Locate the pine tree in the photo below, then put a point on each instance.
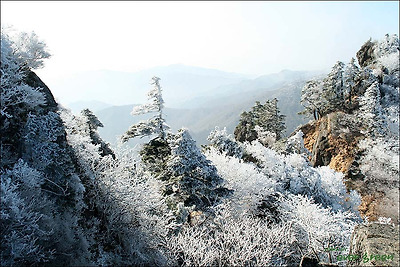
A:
(244, 131)
(311, 99)
(277, 120)
(371, 111)
(265, 116)
(351, 83)
(156, 124)
(92, 123)
(194, 180)
(333, 89)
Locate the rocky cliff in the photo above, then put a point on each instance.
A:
(334, 141)
(361, 140)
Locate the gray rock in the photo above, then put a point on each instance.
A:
(321, 153)
(365, 55)
(376, 244)
(33, 80)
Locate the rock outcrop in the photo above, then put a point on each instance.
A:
(33, 80)
(365, 55)
(333, 141)
(375, 244)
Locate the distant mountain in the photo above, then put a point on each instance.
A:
(180, 83)
(77, 107)
(201, 115)
(255, 86)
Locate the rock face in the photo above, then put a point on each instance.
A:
(321, 152)
(365, 55)
(376, 245)
(333, 141)
(33, 80)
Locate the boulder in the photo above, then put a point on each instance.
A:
(376, 244)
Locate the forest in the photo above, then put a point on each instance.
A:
(256, 197)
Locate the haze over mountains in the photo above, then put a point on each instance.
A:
(180, 83)
(196, 98)
(202, 120)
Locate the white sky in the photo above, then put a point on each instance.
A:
(244, 37)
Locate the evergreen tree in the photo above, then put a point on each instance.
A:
(92, 121)
(275, 120)
(244, 131)
(265, 116)
(91, 124)
(371, 111)
(351, 83)
(333, 89)
(156, 124)
(193, 179)
(311, 99)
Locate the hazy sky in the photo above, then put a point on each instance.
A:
(244, 37)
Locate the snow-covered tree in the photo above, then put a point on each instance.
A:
(265, 137)
(311, 99)
(351, 83)
(23, 217)
(193, 179)
(387, 47)
(44, 194)
(318, 228)
(14, 90)
(232, 239)
(91, 124)
(275, 122)
(30, 51)
(371, 110)
(336, 92)
(92, 120)
(295, 144)
(156, 124)
(225, 143)
(244, 131)
(266, 117)
(333, 89)
(280, 190)
(127, 218)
